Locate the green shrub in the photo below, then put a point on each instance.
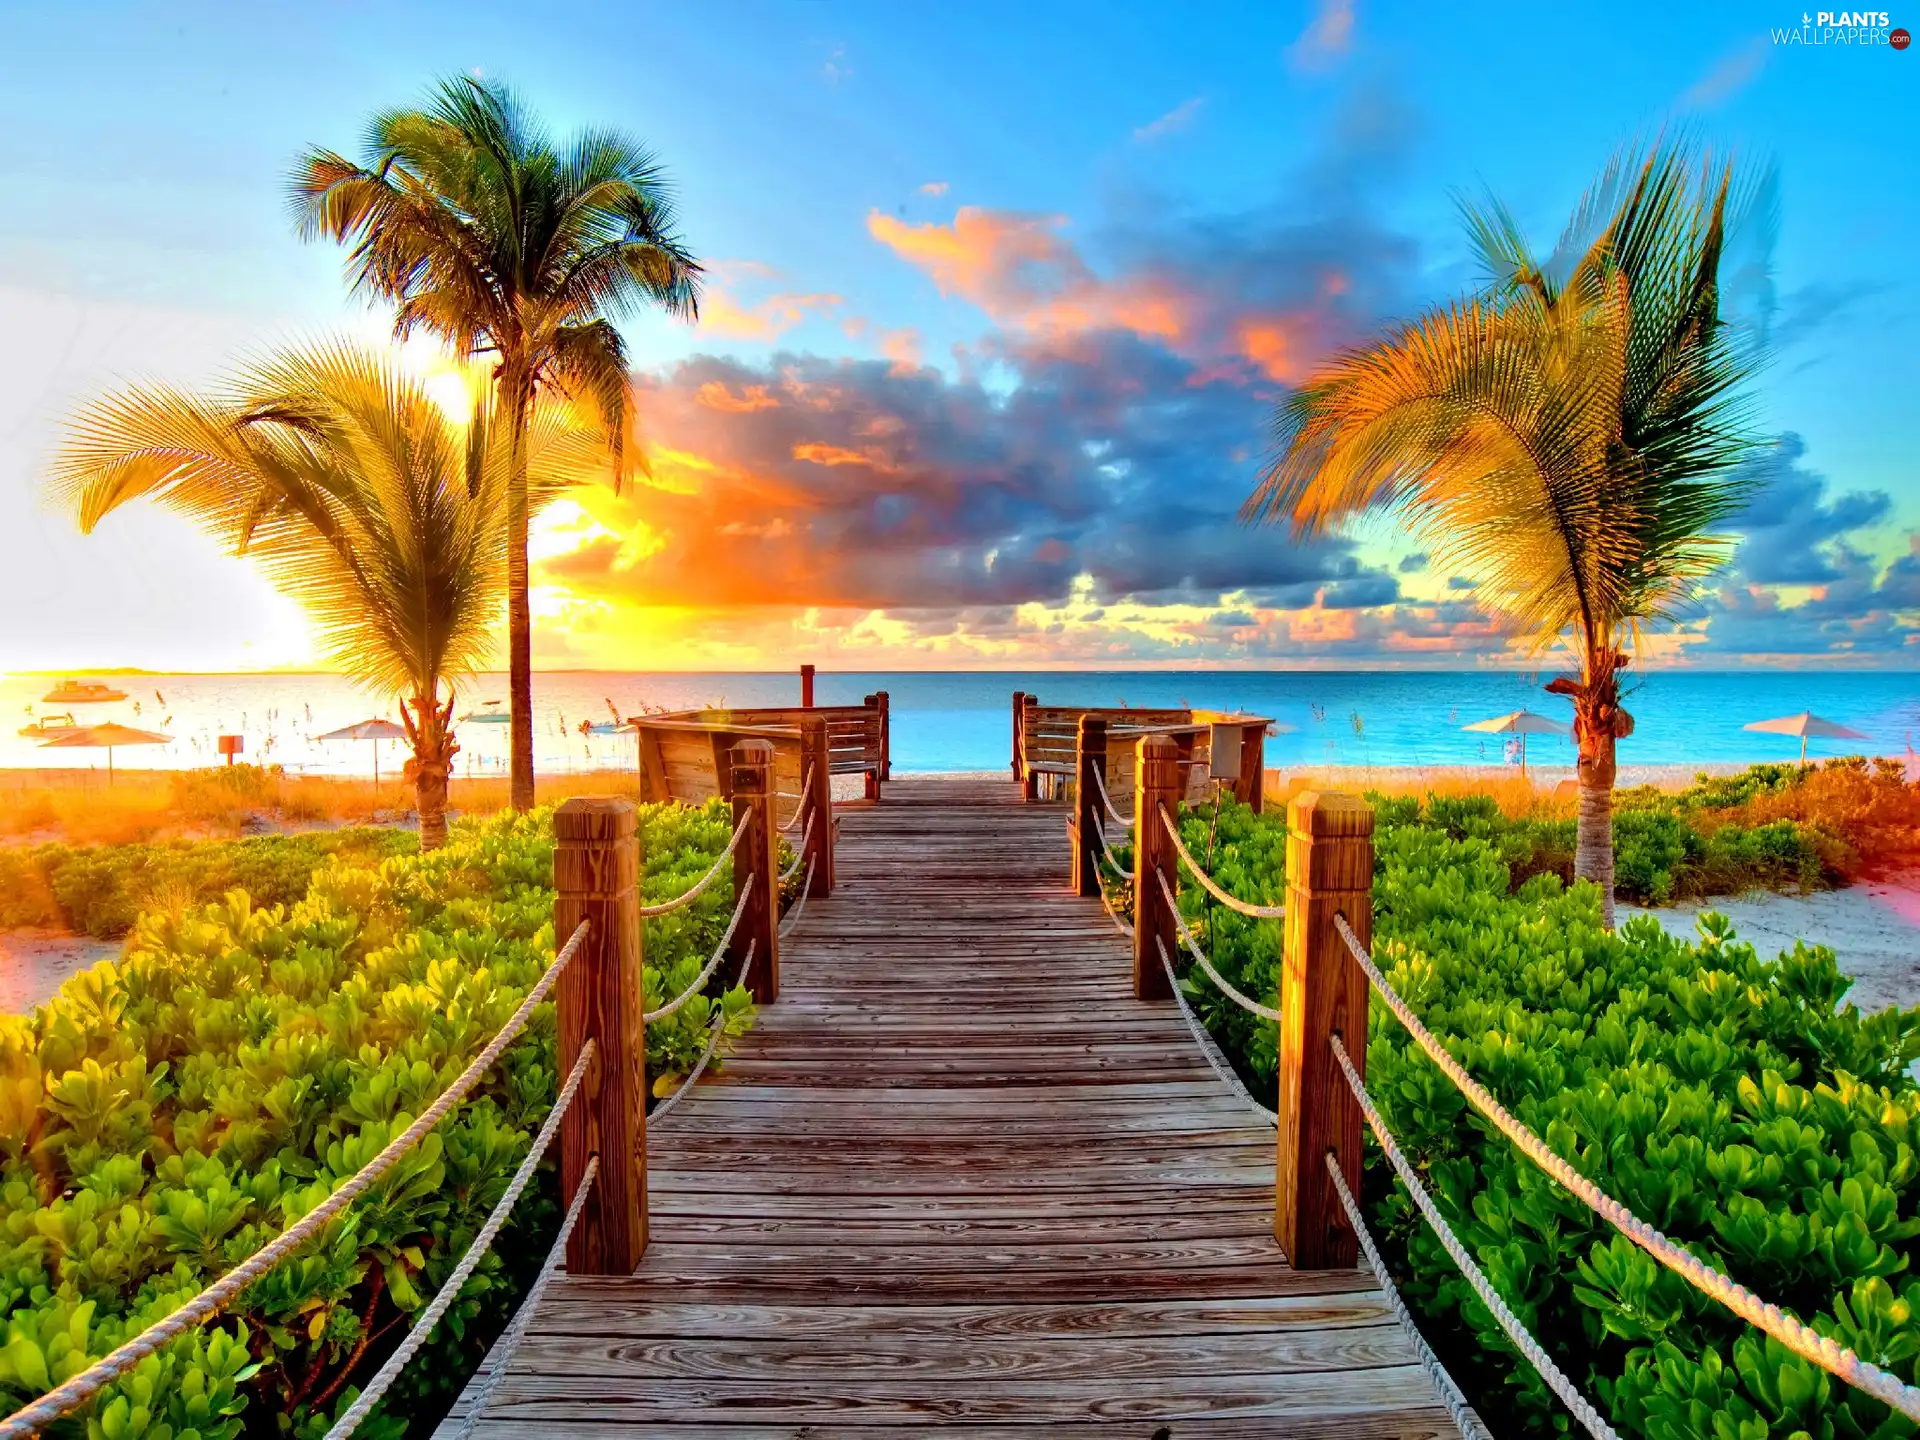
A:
(169, 1112)
(1730, 1100)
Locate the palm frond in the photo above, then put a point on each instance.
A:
(348, 486)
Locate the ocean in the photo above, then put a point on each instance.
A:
(959, 720)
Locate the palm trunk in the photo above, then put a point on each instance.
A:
(430, 730)
(517, 395)
(1598, 725)
(1593, 849)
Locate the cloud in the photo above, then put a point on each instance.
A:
(835, 67)
(934, 187)
(1327, 38)
(764, 320)
(1804, 312)
(1259, 296)
(1803, 581)
(1181, 117)
(1730, 74)
(1413, 564)
(1790, 523)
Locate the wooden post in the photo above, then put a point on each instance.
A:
(886, 735)
(1019, 710)
(757, 857)
(1089, 761)
(1157, 780)
(1250, 787)
(872, 756)
(600, 997)
(806, 687)
(1322, 993)
(1030, 779)
(819, 800)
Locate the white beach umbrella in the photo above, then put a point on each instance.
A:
(1805, 724)
(106, 737)
(1518, 722)
(374, 730)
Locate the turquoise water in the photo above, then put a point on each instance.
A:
(960, 720)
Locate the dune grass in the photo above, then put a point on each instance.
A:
(80, 808)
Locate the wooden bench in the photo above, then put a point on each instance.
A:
(858, 736)
(1046, 737)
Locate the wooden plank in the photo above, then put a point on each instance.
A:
(958, 1180)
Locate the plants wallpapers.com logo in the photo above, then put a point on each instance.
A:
(1863, 28)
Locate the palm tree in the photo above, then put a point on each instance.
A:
(484, 232)
(358, 496)
(1567, 438)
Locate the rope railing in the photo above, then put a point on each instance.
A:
(1113, 860)
(509, 1341)
(717, 1029)
(1465, 1419)
(1211, 1051)
(713, 964)
(800, 854)
(1529, 1348)
(81, 1388)
(1207, 882)
(1788, 1329)
(1252, 1006)
(805, 807)
(799, 906)
(1100, 784)
(422, 1328)
(693, 892)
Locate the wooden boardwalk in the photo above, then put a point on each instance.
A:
(959, 1180)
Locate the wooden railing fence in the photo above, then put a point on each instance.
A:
(600, 999)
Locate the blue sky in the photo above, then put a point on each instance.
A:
(1026, 238)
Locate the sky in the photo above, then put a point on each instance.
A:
(1000, 301)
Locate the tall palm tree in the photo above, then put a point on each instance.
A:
(358, 496)
(483, 231)
(1567, 438)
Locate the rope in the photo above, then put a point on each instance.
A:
(800, 854)
(687, 897)
(1100, 834)
(509, 1341)
(1594, 1422)
(1259, 912)
(806, 794)
(1100, 784)
(423, 1327)
(700, 981)
(800, 905)
(713, 1040)
(1205, 1041)
(29, 1419)
(1465, 1419)
(1798, 1337)
(1200, 958)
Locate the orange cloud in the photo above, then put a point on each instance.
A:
(715, 396)
(934, 187)
(763, 321)
(818, 454)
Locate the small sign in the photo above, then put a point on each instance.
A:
(232, 745)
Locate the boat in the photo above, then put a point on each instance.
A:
(50, 727)
(82, 692)
(489, 714)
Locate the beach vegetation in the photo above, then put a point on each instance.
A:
(1567, 438)
(358, 496)
(1735, 1101)
(486, 232)
(169, 1112)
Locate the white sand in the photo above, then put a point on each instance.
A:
(35, 963)
(1873, 929)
